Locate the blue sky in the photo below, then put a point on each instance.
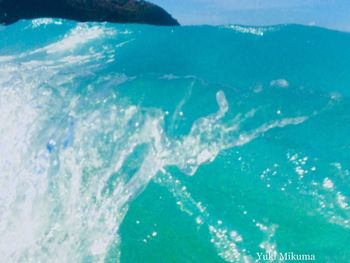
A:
(326, 13)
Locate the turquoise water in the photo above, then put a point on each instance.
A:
(130, 143)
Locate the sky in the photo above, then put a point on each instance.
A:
(333, 14)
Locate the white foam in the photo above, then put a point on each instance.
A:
(342, 201)
(282, 83)
(45, 21)
(257, 31)
(328, 184)
(78, 36)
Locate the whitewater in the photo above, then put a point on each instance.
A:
(134, 143)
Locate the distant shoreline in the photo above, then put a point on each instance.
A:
(130, 11)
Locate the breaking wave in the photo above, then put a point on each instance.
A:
(90, 115)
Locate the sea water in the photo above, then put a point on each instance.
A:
(131, 143)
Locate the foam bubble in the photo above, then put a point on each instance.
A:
(328, 184)
(282, 83)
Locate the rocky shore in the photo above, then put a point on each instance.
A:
(117, 11)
